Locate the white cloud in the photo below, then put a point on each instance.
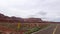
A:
(46, 9)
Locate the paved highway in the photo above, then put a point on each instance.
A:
(54, 29)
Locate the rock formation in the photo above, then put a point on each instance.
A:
(4, 18)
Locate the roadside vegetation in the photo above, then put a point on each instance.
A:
(28, 28)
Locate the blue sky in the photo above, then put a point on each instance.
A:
(45, 9)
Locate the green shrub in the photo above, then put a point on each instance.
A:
(32, 30)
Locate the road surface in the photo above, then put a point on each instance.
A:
(54, 29)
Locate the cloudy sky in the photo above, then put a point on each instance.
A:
(45, 9)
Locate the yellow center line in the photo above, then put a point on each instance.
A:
(55, 29)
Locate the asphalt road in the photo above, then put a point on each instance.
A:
(58, 30)
(54, 29)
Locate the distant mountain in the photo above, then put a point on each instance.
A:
(12, 19)
(33, 20)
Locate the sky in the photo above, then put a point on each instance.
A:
(48, 10)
